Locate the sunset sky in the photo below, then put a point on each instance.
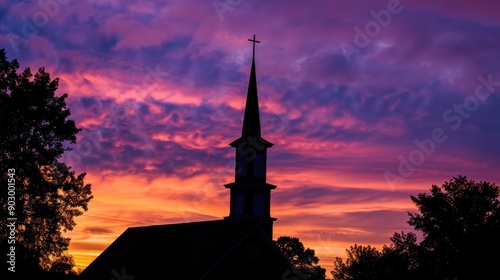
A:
(367, 103)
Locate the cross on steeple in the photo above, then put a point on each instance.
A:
(254, 41)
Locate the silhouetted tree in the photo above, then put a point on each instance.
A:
(460, 223)
(301, 258)
(34, 131)
(401, 259)
(454, 219)
(396, 261)
(362, 263)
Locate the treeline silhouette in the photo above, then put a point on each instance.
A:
(460, 225)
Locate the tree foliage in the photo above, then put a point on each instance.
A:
(363, 262)
(453, 219)
(460, 225)
(301, 258)
(34, 132)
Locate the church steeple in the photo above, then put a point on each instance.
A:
(250, 193)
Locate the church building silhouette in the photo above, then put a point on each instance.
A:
(239, 246)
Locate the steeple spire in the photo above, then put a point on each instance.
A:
(251, 121)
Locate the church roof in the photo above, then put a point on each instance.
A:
(197, 250)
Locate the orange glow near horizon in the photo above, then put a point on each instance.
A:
(122, 201)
